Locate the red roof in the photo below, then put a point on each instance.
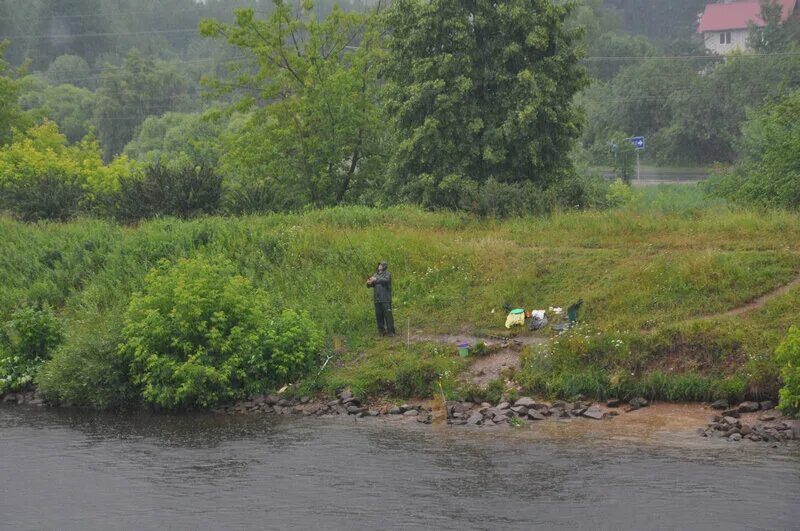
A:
(736, 15)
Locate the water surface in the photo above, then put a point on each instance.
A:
(76, 470)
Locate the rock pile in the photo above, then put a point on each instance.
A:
(345, 404)
(768, 427)
(524, 409)
(458, 412)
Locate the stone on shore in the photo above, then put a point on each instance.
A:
(593, 412)
(613, 402)
(748, 407)
(720, 404)
(639, 402)
(525, 401)
(475, 419)
(535, 415)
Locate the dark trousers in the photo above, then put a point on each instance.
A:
(383, 314)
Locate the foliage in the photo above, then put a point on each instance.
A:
(480, 90)
(619, 193)
(774, 35)
(69, 70)
(678, 105)
(43, 149)
(88, 370)
(67, 105)
(769, 173)
(663, 20)
(182, 190)
(178, 137)
(788, 354)
(314, 130)
(199, 334)
(11, 115)
(42, 177)
(27, 339)
(127, 95)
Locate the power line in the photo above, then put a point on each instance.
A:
(100, 34)
(126, 13)
(691, 57)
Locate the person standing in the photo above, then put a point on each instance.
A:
(381, 284)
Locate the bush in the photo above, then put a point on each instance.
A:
(26, 341)
(183, 192)
(581, 192)
(42, 177)
(619, 194)
(200, 334)
(788, 354)
(88, 370)
(44, 196)
(769, 174)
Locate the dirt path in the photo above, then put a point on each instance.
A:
(504, 352)
(754, 304)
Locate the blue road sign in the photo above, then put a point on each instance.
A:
(637, 141)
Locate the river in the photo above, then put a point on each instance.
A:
(76, 470)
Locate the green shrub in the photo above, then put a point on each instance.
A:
(200, 334)
(769, 173)
(43, 196)
(732, 388)
(788, 354)
(619, 194)
(89, 370)
(162, 190)
(26, 341)
(494, 391)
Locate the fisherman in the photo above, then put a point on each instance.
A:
(381, 283)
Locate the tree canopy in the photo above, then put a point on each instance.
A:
(480, 90)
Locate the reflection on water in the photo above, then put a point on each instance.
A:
(75, 470)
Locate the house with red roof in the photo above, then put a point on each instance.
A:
(725, 26)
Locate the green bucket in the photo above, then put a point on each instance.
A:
(463, 349)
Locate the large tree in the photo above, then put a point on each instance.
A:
(481, 89)
(310, 91)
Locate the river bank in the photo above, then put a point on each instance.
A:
(749, 421)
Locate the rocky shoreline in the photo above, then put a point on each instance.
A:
(748, 421)
(752, 421)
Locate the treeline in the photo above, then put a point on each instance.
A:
(354, 107)
(280, 107)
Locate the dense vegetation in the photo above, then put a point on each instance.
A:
(658, 276)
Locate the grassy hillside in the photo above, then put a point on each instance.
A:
(657, 278)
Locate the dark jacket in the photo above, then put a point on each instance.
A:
(382, 287)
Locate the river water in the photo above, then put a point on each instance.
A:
(76, 470)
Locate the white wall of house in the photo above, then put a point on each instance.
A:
(738, 40)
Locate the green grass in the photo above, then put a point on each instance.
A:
(651, 272)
